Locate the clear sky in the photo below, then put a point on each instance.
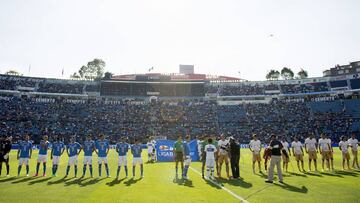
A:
(222, 37)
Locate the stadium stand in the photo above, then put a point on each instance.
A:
(65, 109)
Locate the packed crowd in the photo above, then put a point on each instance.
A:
(63, 117)
(223, 89)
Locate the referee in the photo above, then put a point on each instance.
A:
(5, 147)
(276, 148)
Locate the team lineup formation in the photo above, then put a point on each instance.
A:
(214, 152)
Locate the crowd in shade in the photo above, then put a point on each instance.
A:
(37, 117)
(61, 88)
(257, 89)
(8, 82)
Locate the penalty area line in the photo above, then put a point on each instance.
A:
(222, 187)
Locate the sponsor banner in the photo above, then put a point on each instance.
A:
(164, 150)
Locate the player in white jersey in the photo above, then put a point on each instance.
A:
(223, 145)
(154, 149)
(325, 151)
(354, 145)
(343, 146)
(199, 145)
(150, 148)
(331, 153)
(255, 148)
(298, 153)
(311, 150)
(285, 154)
(210, 150)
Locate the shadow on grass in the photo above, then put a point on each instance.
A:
(131, 181)
(90, 182)
(41, 180)
(212, 183)
(236, 182)
(313, 174)
(8, 179)
(183, 182)
(298, 174)
(62, 180)
(24, 180)
(116, 181)
(292, 188)
(347, 173)
(261, 174)
(332, 174)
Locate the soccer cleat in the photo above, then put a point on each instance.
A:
(44, 175)
(282, 182)
(7, 175)
(108, 176)
(268, 181)
(27, 175)
(36, 175)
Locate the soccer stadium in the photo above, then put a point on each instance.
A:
(109, 135)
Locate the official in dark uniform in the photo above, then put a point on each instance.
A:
(234, 150)
(5, 147)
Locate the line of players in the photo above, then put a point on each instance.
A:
(312, 147)
(101, 147)
(214, 153)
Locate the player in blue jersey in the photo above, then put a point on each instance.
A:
(122, 148)
(73, 149)
(136, 152)
(24, 154)
(89, 148)
(103, 148)
(187, 157)
(57, 150)
(42, 158)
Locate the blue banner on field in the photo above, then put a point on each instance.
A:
(194, 150)
(164, 150)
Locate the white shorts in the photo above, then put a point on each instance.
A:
(102, 159)
(88, 160)
(150, 151)
(187, 160)
(210, 163)
(122, 161)
(73, 160)
(137, 160)
(23, 161)
(42, 158)
(56, 160)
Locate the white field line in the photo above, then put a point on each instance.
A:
(222, 187)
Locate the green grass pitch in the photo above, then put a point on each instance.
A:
(158, 185)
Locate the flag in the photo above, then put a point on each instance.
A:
(150, 69)
(62, 72)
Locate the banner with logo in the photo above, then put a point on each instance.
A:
(164, 150)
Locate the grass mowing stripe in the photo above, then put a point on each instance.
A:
(222, 187)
